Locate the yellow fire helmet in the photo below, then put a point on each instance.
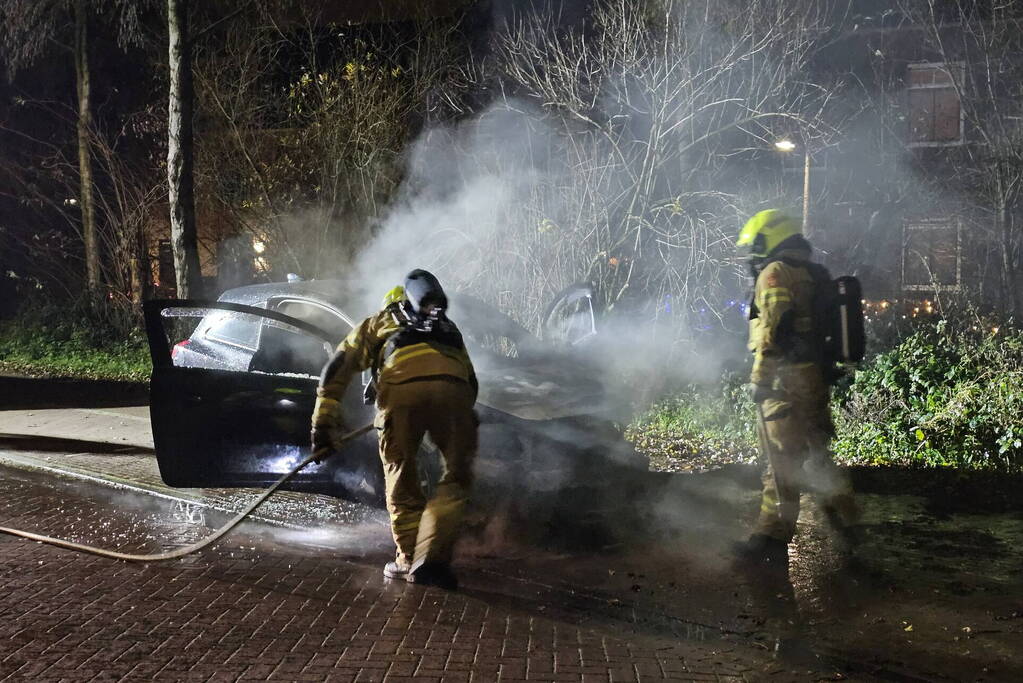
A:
(394, 294)
(766, 230)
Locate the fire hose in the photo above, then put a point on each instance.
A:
(181, 552)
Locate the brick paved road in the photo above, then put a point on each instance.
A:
(256, 608)
(935, 592)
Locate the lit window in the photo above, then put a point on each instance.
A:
(935, 117)
(931, 255)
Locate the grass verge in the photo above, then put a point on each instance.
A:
(700, 428)
(34, 351)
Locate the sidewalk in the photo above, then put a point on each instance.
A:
(114, 447)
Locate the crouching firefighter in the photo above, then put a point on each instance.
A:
(790, 385)
(425, 384)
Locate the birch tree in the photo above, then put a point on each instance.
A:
(180, 182)
(32, 28)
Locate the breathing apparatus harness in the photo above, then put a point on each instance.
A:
(414, 328)
(432, 328)
(797, 347)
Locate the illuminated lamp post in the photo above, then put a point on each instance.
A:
(785, 146)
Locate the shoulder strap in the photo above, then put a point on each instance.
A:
(818, 272)
(443, 332)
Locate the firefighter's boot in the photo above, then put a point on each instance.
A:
(397, 570)
(761, 549)
(437, 574)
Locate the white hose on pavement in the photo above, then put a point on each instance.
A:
(180, 552)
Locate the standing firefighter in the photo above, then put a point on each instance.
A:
(425, 384)
(789, 385)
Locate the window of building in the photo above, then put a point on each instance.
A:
(935, 117)
(931, 255)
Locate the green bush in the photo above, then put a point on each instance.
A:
(77, 340)
(948, 395)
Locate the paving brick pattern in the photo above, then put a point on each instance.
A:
(134, 465)
(252, 609)
(286, 508)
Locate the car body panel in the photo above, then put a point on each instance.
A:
(537, 387)
(242, 418)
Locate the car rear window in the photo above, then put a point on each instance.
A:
(230, 328)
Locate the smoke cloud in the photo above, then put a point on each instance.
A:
(631, 164)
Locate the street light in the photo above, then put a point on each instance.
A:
(785, 145)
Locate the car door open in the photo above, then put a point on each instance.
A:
(571, 317)
(226, 413)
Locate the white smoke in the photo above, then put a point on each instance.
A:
(451, 214)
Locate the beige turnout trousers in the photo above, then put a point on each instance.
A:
(797, 427)
(426, 531)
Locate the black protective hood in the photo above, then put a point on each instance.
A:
(422, 288)
(796, 244)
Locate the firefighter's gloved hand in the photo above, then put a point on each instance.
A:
(759, 393)
(322, 443)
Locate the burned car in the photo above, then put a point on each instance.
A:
(234, 381)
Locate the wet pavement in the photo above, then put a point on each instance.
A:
(933, 591)
(275, 604)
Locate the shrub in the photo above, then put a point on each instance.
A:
(945, 393)
(701, 426)
(75, 340)
(948, 395)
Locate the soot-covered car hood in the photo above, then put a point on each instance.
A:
(537, 387)
(533, 380)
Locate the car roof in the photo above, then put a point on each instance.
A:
(323, 291)
(477, 314)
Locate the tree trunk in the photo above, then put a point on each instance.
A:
(1008, 261)
(806, 192)
(139, 266)
(184, 240)
(92, 261)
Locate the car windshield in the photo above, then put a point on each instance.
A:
(489, 328)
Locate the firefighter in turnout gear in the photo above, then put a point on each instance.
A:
(790, 386)
(425, 384)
